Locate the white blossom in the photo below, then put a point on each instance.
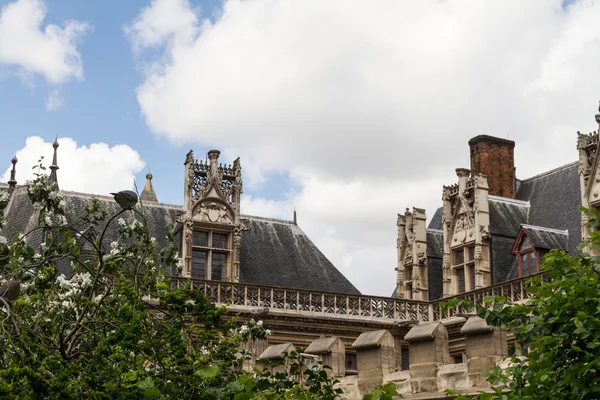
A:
(3, 240)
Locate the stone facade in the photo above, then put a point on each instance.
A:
(466, 227)
(412, 273)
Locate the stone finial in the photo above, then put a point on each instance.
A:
(148, 193)
(12, 181)
(54, 166)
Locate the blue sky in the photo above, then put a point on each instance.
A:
(103, 106)
(350, 114)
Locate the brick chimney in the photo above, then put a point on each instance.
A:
(494, 158)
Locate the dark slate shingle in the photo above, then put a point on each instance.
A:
(435, 254)
(279, 253)
(273, 252)
(555, 198)
(547, 238)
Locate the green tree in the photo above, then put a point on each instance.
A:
(558, 326)
(116, 329)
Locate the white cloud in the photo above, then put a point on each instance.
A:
(54, 100)
(369, 107)
(51, 51)
(161, 21)
(98, 168)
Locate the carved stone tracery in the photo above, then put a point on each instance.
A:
(212, 201)
(412, 281)
(589, 173)
(465, 222)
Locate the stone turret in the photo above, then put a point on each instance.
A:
(148, 193)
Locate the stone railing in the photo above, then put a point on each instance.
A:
(314, 303)
(309, 302)
(514, 290)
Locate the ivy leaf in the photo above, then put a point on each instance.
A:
(208, 371)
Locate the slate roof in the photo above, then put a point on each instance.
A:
(273, 252)
(555, 198)
(435, 255)
(507, 215)
(436, 220)
(279, 253)
(547, 238)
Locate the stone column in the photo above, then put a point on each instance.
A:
(428, 351)
(486, 347)
(375, 357)
(275, 353)
(331, 352)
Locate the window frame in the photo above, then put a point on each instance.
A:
(210, 250)
(467, 266)
(523, 254)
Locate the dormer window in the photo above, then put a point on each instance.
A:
(527, 257)
(210, 254)
(532, 243)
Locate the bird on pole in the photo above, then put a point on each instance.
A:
(127, 199)
(10, 289)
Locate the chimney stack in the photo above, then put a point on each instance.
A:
(494, 158)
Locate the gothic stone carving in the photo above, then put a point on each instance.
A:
(212, 199)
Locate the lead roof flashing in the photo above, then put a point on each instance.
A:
(524, 203)
(544, 229)
(552, 171)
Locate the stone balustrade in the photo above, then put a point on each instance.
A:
(312, 303)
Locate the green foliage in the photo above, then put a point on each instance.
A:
(559, 328)
(384, 392)
(116, 329)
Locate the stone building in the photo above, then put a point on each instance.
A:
(217, 242)
(492, 227)
(489, 234)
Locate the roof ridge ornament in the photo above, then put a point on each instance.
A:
(54, 167)
(12, 182)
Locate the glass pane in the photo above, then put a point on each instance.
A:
(525, 243)
(533, 263)
(199, 264)
(525, 264)
(460, 279)
(471, 276)
(351, 362)
(459, 257)
(219, 241)
(200, 238)
(471, 253)
(218, 266)
(405, 364)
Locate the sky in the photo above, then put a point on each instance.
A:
(348, 112)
